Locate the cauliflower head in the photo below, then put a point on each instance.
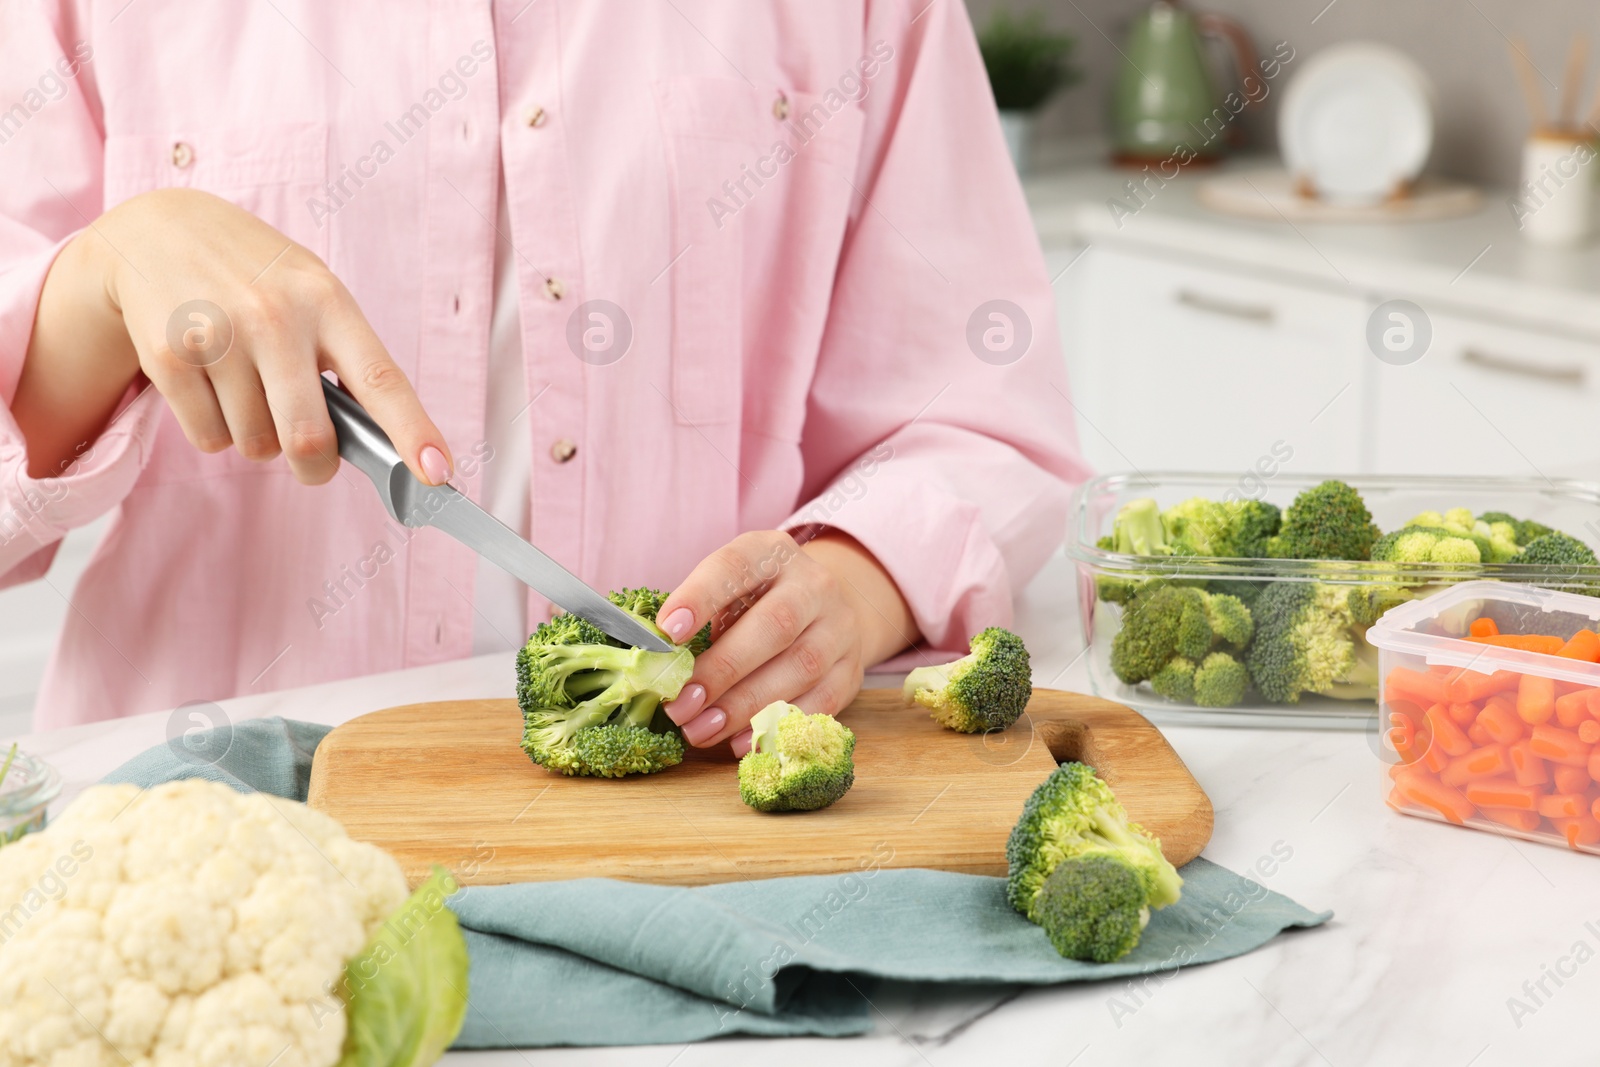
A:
(184, 925)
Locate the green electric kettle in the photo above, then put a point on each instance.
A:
(1165, 105)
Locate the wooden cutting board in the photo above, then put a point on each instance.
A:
(446, 783)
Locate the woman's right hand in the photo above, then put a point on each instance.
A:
(113, 305)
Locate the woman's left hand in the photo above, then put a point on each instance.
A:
(796, 623)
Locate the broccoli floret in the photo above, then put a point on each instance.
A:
(1228, 528)
(796, 762)
(1557, 549)
(1175, 680)
(1220, 681)
(1502, 538)
(1457, 522)
(1137, 529)
(1367, 603)
(984, 690)
(1174, 621)
(1093, 908)
(591, 705)
(1426, 544)
(1307, 641)
(1327, 521)
(1071, 816)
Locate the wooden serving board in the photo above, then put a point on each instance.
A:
(447, 783)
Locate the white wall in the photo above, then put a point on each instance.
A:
(30, 617)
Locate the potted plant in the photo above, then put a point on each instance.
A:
(1027, 64)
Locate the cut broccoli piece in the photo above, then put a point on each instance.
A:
(1522, 530)
(1557, 549)
(1071, 816)
(1175, 621)
(796, 762)
(1327, 521)
(1220, 681)
(1137, 529)
(1175, 680)
(1228, 528)
(1307, 641)
(984, 690)
(1428, 544)
(1093, 908)
(591, 705)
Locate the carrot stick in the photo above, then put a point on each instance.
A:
(1573, 708)
(1541, 643)
(1479, 735)
(1464, 714)
(1526, 821)
(1594, 764)
(1465, 685)
(1559, 746)
(1571, 779)
(1589, 731)
(1483, 626)
(1486, 762)
(1500, 720)
(1561, 805)
(1434, 757)
(1429, 793)
(1583, 830)
(1406, 684)
(1503, 793)
(1584, 645)
(1450, 737)
(1527, 768)
(1536, 699)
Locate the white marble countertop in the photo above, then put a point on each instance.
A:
(1435, 930)
(1466, 264)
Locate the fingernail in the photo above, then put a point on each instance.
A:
(679, 624)
(687, 705)
(740, 743)
(434, 466)
(706, 726)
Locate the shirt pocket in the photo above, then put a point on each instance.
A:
(736, 159)
(272, 171)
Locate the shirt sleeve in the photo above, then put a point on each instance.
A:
(51, 166)
(939, 432)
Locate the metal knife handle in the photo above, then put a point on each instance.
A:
(366, 447)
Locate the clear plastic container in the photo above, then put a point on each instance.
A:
(1494, 738)
(1568, 506)
(25, 794)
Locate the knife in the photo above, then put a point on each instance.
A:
(414, 503)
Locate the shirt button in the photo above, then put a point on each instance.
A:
(182, 155)
(555, 288)
(780, 107)
(534, 116)
(563, 450)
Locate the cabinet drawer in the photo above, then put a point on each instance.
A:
(1208, 369)
(1491, 399)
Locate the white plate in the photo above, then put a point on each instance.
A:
(1357, 122)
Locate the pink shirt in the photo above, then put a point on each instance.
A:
(801, 215)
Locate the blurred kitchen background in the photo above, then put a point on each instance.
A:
(1386, 301)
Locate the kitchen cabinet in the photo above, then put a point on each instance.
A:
(1490, 399)
(1196, 367)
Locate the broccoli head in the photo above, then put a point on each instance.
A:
(1522, 530)
(1327, 521)
(796, 762)
(1093, 908)
(1227, 528)
(1218, 681)
(984, 690)
(1175, 621)
(1137, 529)
(591, 705)
(1558, 549)
(1070, 817)
(1427, 544)
(1308, 641)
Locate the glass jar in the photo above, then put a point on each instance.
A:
(29, 787)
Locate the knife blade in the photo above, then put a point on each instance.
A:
(414, 503)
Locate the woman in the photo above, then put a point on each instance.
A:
(641, 277)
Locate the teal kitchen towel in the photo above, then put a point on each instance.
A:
(783, 956)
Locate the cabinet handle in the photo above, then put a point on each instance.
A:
(1212, 305)
(1510, 365)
